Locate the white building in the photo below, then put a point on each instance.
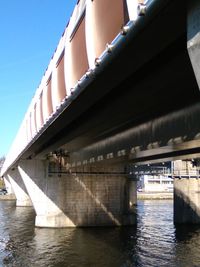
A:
(156, 183)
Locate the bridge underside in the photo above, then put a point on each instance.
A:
(143, 103)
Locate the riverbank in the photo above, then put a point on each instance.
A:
(7, 197)
(140, 195)
(154, 195)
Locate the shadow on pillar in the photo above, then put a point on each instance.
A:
(10, 192)
(83, 197)
(186, 233)
(187, 243)
(186, 207)
(18, 186)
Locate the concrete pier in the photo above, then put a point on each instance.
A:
(9, 188)
(79, 197)
(21, 194)
(186, 200)
(186, 191)
(45, 193)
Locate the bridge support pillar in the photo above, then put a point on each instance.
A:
(46, 193)
(107, 196)
(8, 185)
(22, 197)
(186, 200)
(80, 197)
(193, 36)
(132, 185)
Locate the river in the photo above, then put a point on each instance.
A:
(154, 241)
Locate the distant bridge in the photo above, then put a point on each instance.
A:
(121, 87)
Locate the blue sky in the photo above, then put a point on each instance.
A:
(29, 33)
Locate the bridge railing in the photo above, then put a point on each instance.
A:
(91, 28)
(186, 173)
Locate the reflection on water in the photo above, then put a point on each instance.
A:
(154, 241)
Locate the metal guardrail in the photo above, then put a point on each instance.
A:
(186, 173)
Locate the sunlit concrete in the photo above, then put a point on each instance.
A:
(23, 199)
(8, 186)
(48, 214)
(81, 198)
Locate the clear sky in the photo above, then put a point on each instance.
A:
(29, 33)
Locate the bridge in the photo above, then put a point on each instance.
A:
(122, 88)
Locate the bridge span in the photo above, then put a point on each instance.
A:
(122, 87)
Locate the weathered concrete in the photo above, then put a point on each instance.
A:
(186, 200)
(82, 198)
(23, 199)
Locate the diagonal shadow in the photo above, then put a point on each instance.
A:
(186, 209)
(78, 200)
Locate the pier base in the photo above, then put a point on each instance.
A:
(79, 197)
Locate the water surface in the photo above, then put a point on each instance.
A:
(154, 241)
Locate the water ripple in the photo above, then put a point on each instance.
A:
(153, 242)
